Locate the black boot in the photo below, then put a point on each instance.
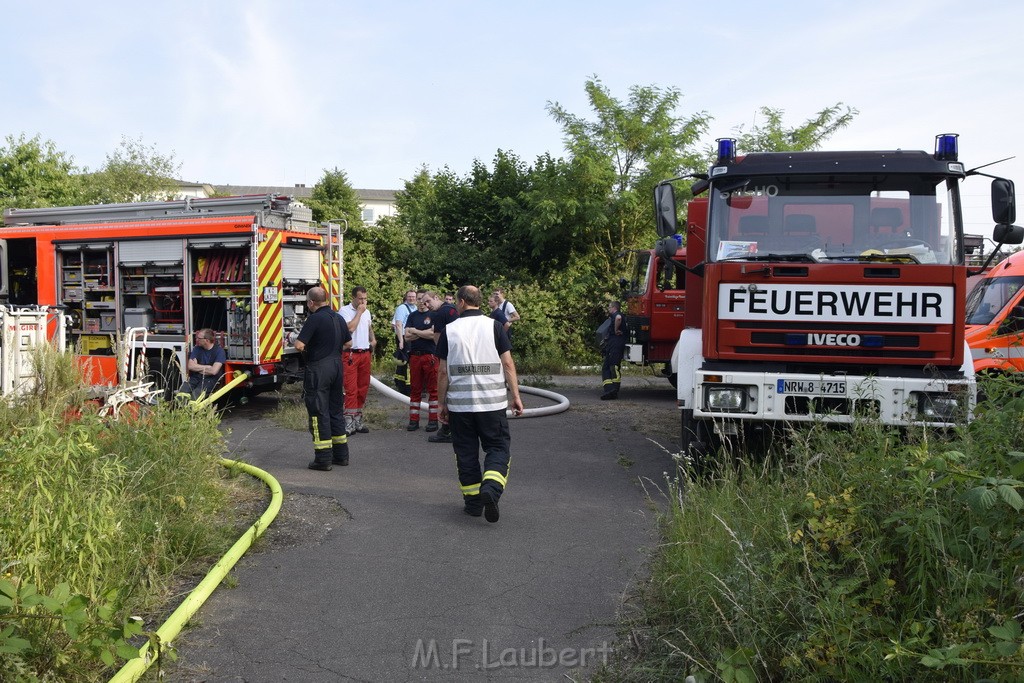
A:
(442, 436)
(321, 460)
(339, 454)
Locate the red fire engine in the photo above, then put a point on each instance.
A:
(140, 279)
(822, 286)
(654, 302)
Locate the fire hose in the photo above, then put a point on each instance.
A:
(135, 668)
(561, 402)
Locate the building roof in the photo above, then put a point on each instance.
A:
(301, 191)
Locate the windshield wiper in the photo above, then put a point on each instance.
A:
(792, 258)
(882, 258)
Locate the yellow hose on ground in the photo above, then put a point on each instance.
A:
(238, 378)
(134, 668)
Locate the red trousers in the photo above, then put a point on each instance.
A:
(423, 371)
(357, 380)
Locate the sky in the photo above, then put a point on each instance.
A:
(275, 93)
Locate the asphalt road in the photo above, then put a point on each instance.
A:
(373, 573)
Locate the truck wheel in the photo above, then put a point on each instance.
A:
(697, 443)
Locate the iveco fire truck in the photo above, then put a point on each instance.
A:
(139, 279)
(823, 286)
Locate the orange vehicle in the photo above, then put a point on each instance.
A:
(995, 318)
(139, 279)
(822, 286)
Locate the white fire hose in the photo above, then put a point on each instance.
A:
(561, 402)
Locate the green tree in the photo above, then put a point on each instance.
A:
(773, 136)
(627, 149)
(133, 172)
(373, 254)
(34, 173)
(333, 198)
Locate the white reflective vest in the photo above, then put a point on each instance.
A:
(476, 379)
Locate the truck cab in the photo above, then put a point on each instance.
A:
(830, 285)
(995, 318)
(654, 303)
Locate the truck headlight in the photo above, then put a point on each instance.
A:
(726, 398)
(938, 407)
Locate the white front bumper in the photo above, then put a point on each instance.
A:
(893, 400)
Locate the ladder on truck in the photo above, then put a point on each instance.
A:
(179, 208)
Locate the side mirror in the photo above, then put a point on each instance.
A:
(665, 209)
(623, 283)
(1008, 234)
(1004, 210)
(666, 248)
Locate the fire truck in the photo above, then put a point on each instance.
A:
(654, 302)
(995, 318)
(138, 280)
(823, 286)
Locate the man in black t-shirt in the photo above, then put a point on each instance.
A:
(322, 338)
(419, 342)
(442, 313)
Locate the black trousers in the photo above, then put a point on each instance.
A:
(472, 432)
(323, 390)
(611, 372)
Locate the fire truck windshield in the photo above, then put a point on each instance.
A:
(991, 296)
(900, 217)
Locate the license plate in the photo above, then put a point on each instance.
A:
(813, 387)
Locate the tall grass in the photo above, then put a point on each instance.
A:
(864, 554)
(110, 508)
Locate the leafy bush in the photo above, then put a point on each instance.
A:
(870, 554)
(96, 515)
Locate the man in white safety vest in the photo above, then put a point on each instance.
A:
(476, 364)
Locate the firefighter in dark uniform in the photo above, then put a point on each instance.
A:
(442, 314)
(614, 349)
(419, 341)
(322, 339)
(476, 365)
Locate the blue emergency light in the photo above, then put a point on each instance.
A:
(726, 150)
(945, 147)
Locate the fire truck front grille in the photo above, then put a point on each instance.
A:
(829, 405)
(839, 352)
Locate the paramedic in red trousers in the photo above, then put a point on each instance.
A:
(476, 364)
(322, 339)
(419, 341)
(442, 313)
(357, 360)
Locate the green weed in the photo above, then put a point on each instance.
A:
(96, 517)
(865, 554)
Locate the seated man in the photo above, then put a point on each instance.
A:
(205, 364)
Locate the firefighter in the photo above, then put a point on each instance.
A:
(419, 340)
(323, 337)
(442, 313)
(614, 347)
(398, 320)
(476, 364)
